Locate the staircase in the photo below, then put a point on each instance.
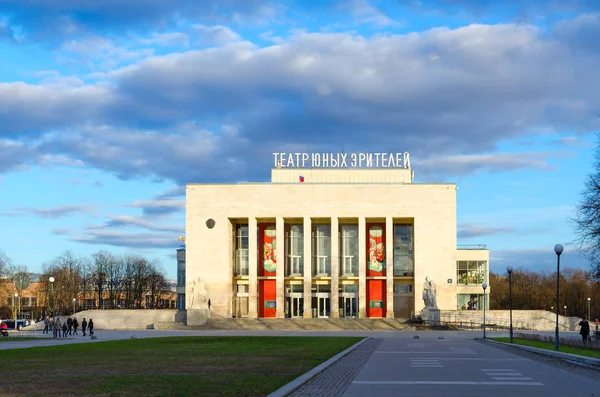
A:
(296, 324)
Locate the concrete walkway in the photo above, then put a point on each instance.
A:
(108, 335)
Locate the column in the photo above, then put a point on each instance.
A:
(307, 268)
(280, 257)
(389, 264)
(253, 267)
(362, 267)
(335, 268)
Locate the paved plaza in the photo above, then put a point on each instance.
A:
(408, 363)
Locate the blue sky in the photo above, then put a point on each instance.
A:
(109, 107)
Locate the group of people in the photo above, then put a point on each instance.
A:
(68, 327)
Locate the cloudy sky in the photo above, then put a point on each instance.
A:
(109, 107)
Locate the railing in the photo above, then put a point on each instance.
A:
(471, 247)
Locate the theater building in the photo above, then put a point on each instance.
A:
(330, 238)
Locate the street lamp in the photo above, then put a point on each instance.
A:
(565, 311)
(51, 279)
(484, 286)
(15, 308)
(74, 300)
(509, 269)
(589, 314)
(558, 249)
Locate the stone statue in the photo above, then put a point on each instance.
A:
(429, 294)
(197, 295)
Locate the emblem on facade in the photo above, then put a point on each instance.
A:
(210, 223)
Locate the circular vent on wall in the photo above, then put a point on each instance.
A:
(210, 223)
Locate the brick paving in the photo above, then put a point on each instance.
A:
(335, 379)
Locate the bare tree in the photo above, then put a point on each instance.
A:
(156, 285)
(587, 216)
(114, 271)
(5, 263)
(100, 263)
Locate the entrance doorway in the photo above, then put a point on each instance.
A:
(321, 305)
(348, 305)
(294, 305)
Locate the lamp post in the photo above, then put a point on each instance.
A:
(565, 311)
(74, 300)
(51, 279)
(558, 249)
(15, 308)
(589, 314)
(484, 286)
(509, 269)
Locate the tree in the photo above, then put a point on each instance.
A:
(5, 263)
(587, 217)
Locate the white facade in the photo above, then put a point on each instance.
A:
(344, 242)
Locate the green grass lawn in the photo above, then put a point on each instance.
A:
(550, 346)
(178, 366)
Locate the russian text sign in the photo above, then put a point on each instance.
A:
(342, 160)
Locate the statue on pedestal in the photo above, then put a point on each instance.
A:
(429, 294)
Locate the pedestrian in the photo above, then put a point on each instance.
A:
(585, 330)
(70, 324)
(65, 329)
(83, 326)
(597, 323)
(56, 327)
(91, 327)
(75, 325)
(46, 321)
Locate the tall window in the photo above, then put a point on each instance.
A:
(403, 250)
(295, 250)
(321, 250)
(241, 250)
(471, 272)
(349, 250)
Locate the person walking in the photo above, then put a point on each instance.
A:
(46, 321)
(56, 327)
(70, 324)
(585, 330)
(83, 326)
(75, 325)
(91, 327)
(65, 329)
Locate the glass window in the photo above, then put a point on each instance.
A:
(242, 262)
(471, 272)
(295, 250)
(403, 250)
(321, 250)
(403, 288)
(348, 250)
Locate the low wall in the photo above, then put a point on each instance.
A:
(120, 319)
(539, 320)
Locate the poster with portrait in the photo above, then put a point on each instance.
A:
(270, 249)
(376, 249)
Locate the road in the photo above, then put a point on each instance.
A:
(457, 366)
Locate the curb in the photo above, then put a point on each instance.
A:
(302, 379)
(588, 362)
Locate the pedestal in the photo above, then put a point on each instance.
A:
(197, 316)
(430, 315)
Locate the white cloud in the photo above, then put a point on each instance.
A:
(489, 84)
(214, 35)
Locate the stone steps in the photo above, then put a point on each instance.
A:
(295, 324)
